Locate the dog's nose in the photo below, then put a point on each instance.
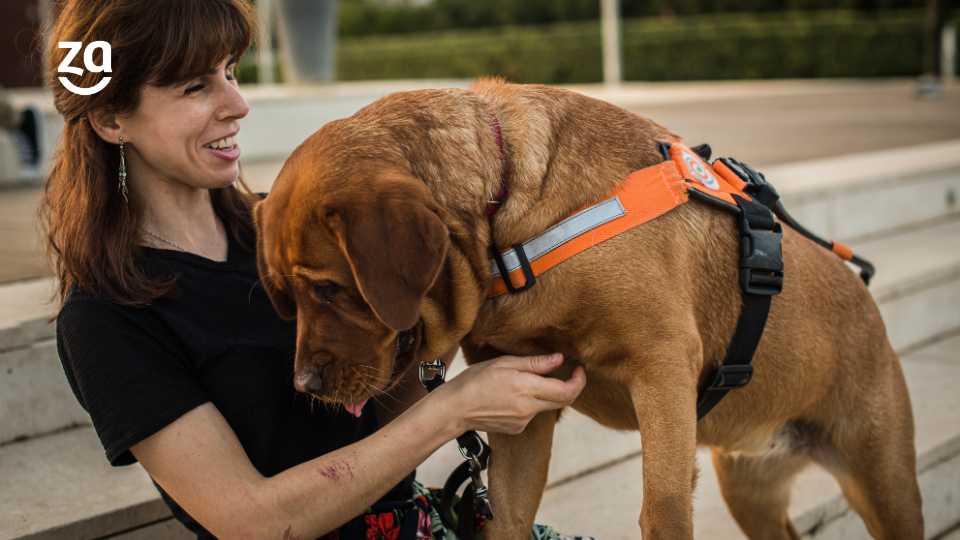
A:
(308, 382)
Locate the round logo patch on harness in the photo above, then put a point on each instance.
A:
(699, 171)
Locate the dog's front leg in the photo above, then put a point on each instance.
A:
(668, 428)
(518, 474)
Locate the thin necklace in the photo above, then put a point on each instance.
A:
(162, 239)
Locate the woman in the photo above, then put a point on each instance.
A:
(165, 334)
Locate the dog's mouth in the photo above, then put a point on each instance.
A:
(401, 361)
(405, 341)
(407, 345)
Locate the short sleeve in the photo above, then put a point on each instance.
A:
(124, 371)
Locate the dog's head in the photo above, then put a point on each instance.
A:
(353, 242)
(351, 254)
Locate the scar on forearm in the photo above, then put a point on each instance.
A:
(337, 471)
(288, 534)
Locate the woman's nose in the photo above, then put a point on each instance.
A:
(233, 105)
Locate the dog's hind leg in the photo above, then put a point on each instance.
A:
(757, 491)
(518, 474)
(873, 457)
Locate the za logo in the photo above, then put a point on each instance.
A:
(65, 66)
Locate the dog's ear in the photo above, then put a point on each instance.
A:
(285, 306)
(396, 248)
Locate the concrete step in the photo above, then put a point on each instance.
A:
(25, 311)
(871, 194)
(35, 397)
(606, 504)
(917, 285)
(61, 486)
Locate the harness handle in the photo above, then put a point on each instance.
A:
(764, 192)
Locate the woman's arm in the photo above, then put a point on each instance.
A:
(199, 462)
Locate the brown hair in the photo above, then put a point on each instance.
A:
(92, 232)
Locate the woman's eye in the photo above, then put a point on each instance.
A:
(328, 291)
(194, 88)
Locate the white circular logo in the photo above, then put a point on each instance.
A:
(700, 173)
(88, 62)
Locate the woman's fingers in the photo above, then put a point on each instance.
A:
(561, 392)
(504, 394)
(555, 391)
(540, 364)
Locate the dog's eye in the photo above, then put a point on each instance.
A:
(328, 291)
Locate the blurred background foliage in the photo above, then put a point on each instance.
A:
(365, 17)
(785, 44)
(558, 41)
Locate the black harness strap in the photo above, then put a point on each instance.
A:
(761, 277)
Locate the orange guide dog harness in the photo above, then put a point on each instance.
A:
(654, 191)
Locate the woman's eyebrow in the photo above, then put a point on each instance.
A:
(215, 69)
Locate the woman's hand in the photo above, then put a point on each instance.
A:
(504, 394)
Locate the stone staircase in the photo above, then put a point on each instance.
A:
(896, 208)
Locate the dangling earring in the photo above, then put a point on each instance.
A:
(122, 188)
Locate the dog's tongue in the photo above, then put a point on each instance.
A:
(355, 408)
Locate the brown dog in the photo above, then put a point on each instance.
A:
(375, 237)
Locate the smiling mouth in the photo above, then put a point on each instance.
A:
(227, 143)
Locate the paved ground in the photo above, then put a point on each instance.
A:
(761, 128)
(781, 129)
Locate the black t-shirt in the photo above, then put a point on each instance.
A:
(136, 370)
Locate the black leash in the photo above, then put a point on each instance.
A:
(476, 452)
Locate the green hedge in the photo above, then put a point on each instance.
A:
(707, 47)
(366, 17)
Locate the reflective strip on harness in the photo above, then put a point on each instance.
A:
(642, 196)
(561, 233)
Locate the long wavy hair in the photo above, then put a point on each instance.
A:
(92, 232)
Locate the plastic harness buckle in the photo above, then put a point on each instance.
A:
(761, 252)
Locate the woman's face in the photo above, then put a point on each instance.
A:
(186, 135)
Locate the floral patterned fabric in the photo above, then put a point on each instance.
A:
(419, 518)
